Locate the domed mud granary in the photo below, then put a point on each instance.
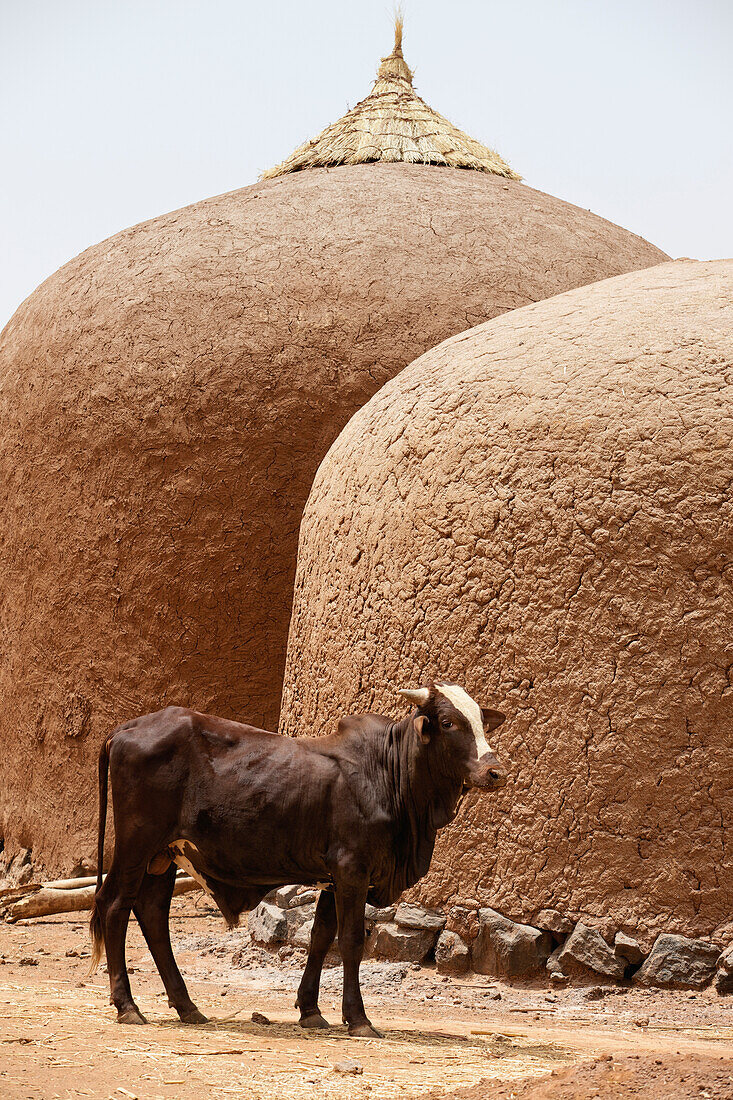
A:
(541, 510)
(165, 400)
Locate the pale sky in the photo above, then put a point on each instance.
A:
(114, 111)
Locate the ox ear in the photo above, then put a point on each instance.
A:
(417, 696)
(419, 724)
(492, 718)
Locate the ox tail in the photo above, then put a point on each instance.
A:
(96, 928)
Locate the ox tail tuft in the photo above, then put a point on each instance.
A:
(97, 934)
(96, 928)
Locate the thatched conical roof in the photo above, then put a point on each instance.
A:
(393, 124)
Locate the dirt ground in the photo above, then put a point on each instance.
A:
(472, 1038)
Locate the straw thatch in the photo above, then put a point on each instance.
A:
(393, 124)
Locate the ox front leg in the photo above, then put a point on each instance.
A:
(322, 936)
(350, 903)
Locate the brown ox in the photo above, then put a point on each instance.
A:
(245, 811)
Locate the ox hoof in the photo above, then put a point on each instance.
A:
(131, 1016)
(314, 1020)
(192, 1016)
(365, 1031)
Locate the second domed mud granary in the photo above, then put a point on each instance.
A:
(166, 398)
(541, 510)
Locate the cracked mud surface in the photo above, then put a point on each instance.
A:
(58, 1035)
(541, 510)
(165, 399)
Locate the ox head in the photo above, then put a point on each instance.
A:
(456, 726)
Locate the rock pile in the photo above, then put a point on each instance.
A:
(487, 942)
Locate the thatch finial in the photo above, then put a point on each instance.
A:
(394, 65)
(399, 23)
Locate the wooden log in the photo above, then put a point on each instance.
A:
(70, 883)
(12, 893)
(47, 901)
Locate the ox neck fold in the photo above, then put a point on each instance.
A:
(421, 803)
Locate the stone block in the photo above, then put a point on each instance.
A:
(284, 896)
(452, 954)
(389, 941)
(724, 976)
(463, 919)
(676, 962)
(506, 948)
(586, 952)
(414, 916)
(300, 935)
(627, 948)
(305, 896)
(550, 920)
(268, 924)
(297, 916)
(553, 963)
(376, 915)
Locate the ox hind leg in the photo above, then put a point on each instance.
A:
(322, 936)
(152, 909)
(113, 904)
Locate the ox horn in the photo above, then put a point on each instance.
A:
(418, 696)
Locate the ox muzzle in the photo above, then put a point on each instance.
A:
(487, 774)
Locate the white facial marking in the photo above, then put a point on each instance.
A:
(178, 848)
(470, 709)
